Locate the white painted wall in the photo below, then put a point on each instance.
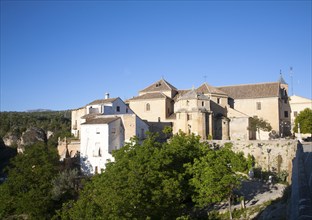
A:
(97, 143)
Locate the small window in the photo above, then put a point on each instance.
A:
(286, 114)
(148, 107)
(203, 103)
(113, 130)
(295, 113)
(118, 108)
(258, 105)
(98, 131)
(189, 117)
(218, 100)
(127, 110)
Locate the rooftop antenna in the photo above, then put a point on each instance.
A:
(291, 78)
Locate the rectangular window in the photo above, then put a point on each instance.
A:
(286, 114)
(218, 100)
(118, 108)
(295, 113)
(203, 103)
(189, 117)
(98, 131)
(258, 105)
(113, 130)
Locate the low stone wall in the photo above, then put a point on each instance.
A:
(272, 155)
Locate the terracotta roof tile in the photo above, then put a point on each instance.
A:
(101, 120)
(206, 88)
(102, 101)
(248, 91)
(161, 85)
(193, 94)
(155, 95)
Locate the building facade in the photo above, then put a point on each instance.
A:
(100, 127)
(298, 104)
(220, 113)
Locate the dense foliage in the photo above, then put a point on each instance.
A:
(159, 181)
(304, 118)
(17, 122)
(35, 187)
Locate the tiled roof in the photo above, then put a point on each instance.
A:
(155, 95)
(92, 115)
(248, 91)
(205, 88)
(180, 93)
(161, 85)
(102, 101)
(101, 120)
(192, 94)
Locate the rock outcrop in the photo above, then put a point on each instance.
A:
(11, 139)
(31, 136)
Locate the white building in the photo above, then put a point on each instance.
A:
(103, 126)
(298, 104)
(99, 137)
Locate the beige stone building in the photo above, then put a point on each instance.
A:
(217, 112)
(298, 104)
(201, 111)
(269, 101)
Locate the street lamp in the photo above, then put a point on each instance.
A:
(269, 150)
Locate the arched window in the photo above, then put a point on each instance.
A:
(148, 107)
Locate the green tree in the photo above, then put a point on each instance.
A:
(304, 118)
(214, 177)
(27, 190)
(147, 180)
(257, 124)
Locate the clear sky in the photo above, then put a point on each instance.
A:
(64, 54)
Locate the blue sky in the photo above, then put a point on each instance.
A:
(64, 54)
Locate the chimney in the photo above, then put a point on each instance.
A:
(107, 95)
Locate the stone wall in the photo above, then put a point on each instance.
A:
(68, 148)
(272, 155)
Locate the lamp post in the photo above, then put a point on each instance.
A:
(299, 134)
(268, 150)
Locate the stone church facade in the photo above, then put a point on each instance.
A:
(220, 113)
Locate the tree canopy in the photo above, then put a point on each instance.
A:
(257, 124)
(304, 118)
(158, 180)
(27, 188)
(36, 186)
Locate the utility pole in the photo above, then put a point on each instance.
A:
(292, 83)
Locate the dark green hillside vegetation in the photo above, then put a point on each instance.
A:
(16, 123)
